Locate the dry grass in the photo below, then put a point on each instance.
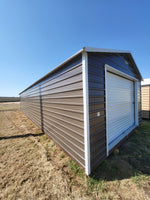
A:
(33, 167)
(9, 106)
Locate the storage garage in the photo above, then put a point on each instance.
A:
(145, 90)
(88, 105)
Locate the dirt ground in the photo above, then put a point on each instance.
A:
(25, 172)
(32, 167)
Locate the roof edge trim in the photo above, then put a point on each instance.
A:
(91, 49)
(85, 49)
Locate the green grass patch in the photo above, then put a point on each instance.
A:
(96, 185)
(130, 161)
(62, 155)
(75, 168)
(140, 178)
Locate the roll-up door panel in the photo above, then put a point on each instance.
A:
(120, 108)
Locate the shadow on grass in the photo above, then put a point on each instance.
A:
(131, 159)
(21, 136)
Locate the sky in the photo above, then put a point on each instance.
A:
(38, 35)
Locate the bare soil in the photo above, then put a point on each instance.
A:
(33, 167)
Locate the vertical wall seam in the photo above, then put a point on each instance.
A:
(86, 112)
(41, 106)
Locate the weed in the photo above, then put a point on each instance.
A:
(140, 178)
(47, 147)
(75, 168)
(62, 155)
(51, 143)
(91, 182)
(96, 185)
(54, 149)
(2, 152)
(44, 137)
(116, 151)
(47, 152)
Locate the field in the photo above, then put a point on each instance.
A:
(9, 99)
(33, 167)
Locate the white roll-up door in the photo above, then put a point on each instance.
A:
(120, 108)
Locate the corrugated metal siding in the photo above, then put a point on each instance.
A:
(96, 77)
(145, 102)
(56, 106)
(30, 105)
